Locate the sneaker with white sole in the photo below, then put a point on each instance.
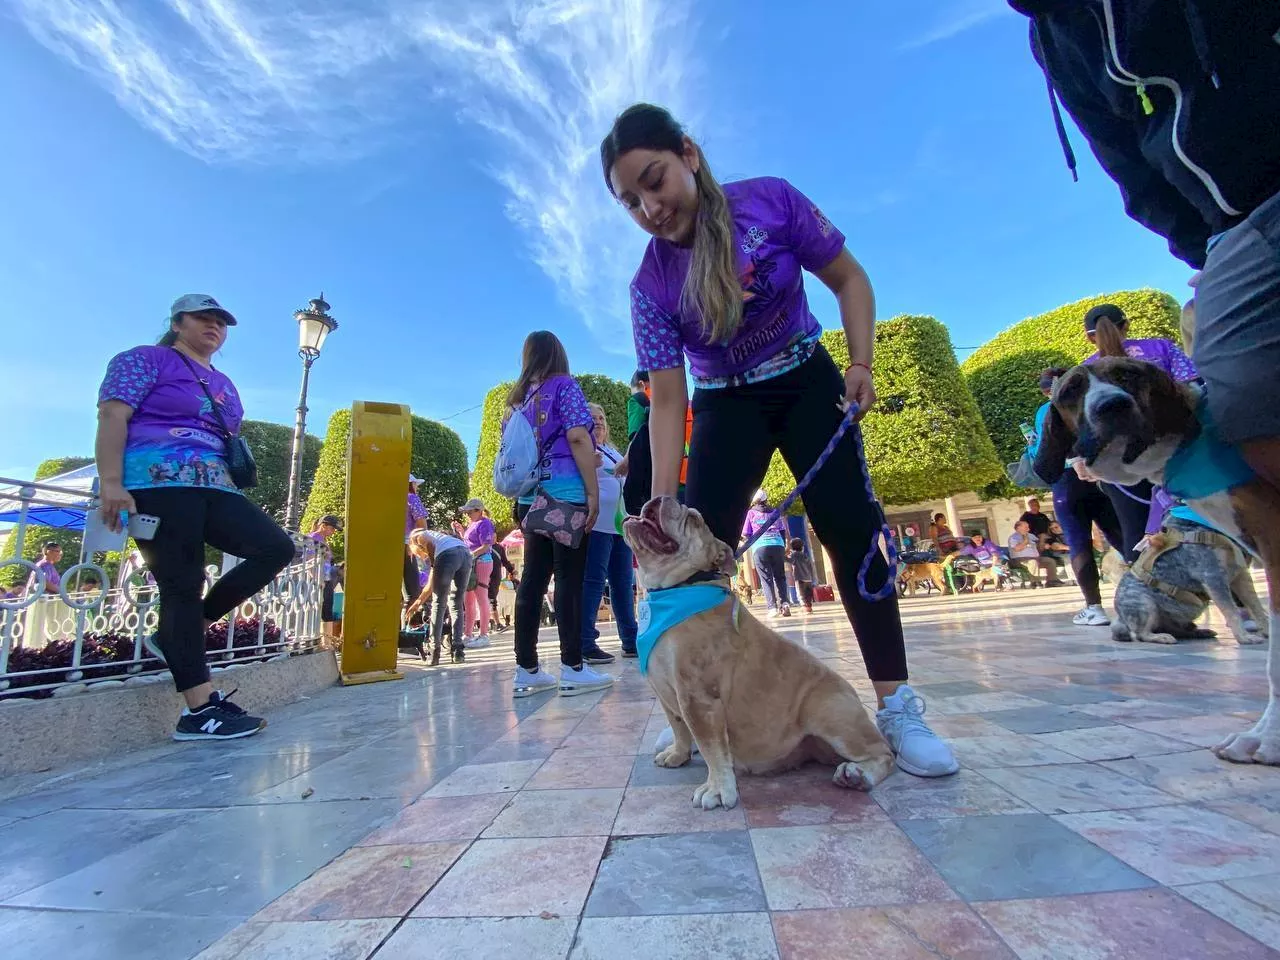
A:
(1091, 616)
(529, 682)
(219, 719)
(773, 613)
(666, 738)
(919, 750)
(582, 679)
(477, 643)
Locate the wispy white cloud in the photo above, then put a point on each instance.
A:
(957, 17)
(317, 80)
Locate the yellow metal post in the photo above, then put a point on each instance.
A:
(377, 483)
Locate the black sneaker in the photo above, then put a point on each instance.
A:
(596, 655)
(630, 654)
(219, 719)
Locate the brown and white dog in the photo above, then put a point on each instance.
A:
(1130, 421)
(753, 701)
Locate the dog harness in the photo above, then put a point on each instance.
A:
(1168, 539)
(663, 609)
(1206, 465)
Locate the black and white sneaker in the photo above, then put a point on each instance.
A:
(596, 656)
(219, 719)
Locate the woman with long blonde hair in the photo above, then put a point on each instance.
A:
(722, 284)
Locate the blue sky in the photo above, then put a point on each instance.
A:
(432, 167)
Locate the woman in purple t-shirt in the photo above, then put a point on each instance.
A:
(1106, 326)
(721, 285)
(160, 451)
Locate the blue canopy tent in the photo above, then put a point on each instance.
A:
(61, 501)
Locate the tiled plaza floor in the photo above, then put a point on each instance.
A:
(437, 817)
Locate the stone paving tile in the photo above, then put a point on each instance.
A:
(517, 878)
(689, 873)
(1076, 788)
(448, 818)
(1182, 844)
(1005, 750)
(313, 940)
(1250, 905)
(481, 938)
(646, 773)
(366, 882)
(805, 797)
(1202, 731)
(844, 865)
(1118, 926)
(653, 810)
(1260, 809)
(485, 778)
(1044, 719)
(965, 794)
(557, 813)
(741, 936)
(920, 931)
(1110, 743)
(562, 772)
(1197, 775)
(93, 935)
(1018, 857)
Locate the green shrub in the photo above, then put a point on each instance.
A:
(609, 393)
(924, 439)
(438, 456)
(36, 536)
(1003, 374)
(272, 446)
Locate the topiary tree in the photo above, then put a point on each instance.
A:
(1003, 374)
(438, 456)
(272, 446)
(609, 393)
(36, 536)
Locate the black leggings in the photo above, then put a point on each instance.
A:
(191, 517)
(543, 557)
(735, 432)
(411, 575)
(1131, 514)
(1078, 506)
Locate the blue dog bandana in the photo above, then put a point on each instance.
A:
(1206, 465)
(664, 609)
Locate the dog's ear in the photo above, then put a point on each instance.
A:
(725, 561)
(1056, 443)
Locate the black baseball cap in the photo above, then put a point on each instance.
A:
(51, 545)
(1108, 310)
(332, 520)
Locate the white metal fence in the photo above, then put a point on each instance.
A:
(91, 630)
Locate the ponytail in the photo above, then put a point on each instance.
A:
(168, 339)
(1109, 338)
(712, 287)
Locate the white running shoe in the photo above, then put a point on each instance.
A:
(527, 683)
(666, 738)
(918, 749)
(773, 613)
(1091, 616)
(478, 643)
(583, 679)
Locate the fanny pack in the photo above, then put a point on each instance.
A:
(560, 520)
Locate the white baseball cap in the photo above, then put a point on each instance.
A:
(200, 303)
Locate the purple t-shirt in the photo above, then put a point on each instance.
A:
(774, 536)
(174, 438)
(1165, 354)
(414, 512)
(480, 533)
(985, 554)
(553, 409)
(52, 578)
(779, 233)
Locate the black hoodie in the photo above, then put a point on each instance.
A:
(1179, 100)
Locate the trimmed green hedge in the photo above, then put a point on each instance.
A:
(609, 393)
(1004, 373)
(438, 456)
(272, 446)
(37, 536)
(924, 439)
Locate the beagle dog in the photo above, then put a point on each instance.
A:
(1130, 421)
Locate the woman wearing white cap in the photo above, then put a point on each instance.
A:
(415, 518)
(770, 554)
(166, 423)
(479, 536)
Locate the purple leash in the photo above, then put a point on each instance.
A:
(890, 585)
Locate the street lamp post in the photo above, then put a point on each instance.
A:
(314, 325)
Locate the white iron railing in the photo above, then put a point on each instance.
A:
(74, 637)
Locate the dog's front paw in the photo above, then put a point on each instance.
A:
(711, 795)
(852, 777)
(1159, 638)
(1250, 747)
(1247, 639)
(673, 756)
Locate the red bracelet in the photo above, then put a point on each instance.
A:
(857, 364)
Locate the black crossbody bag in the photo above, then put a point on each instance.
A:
(240, 463)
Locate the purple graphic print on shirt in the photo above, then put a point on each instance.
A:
(1165, 354)
(174, 439)
(553, 409)
(780, 233)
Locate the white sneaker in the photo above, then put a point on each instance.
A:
(773, 613)
(1091, 616)
(528, 683)
(918, 749)
(666, 738)
(583, 679)
(478, 643)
